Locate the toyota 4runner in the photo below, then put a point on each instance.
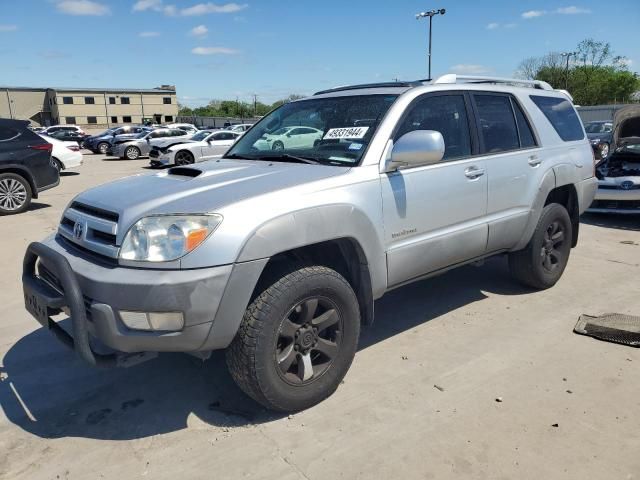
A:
(277, 255)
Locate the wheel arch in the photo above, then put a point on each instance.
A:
(23, 172)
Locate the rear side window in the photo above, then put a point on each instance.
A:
(446, 114)
(561, 115)
(497, 123)
(527, 140)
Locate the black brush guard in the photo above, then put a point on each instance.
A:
(43, 301)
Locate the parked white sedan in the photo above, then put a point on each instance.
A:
(290, 138)
(65, 155)
(204, 145)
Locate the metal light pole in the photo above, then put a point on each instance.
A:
(566, 70)
(430, 14)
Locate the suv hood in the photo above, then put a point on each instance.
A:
(204, 188)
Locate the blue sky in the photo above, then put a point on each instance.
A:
(275, 48)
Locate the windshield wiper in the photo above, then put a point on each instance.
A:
(235, 156)
(283, 157)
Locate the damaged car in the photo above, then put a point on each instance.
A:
(619, 173)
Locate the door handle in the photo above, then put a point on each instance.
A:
(473, 172)
(534, 161)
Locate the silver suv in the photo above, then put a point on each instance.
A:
(278, 255)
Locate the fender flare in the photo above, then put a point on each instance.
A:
(547, 184)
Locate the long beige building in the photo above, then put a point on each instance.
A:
(89, 107)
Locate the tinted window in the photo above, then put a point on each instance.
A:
(561, 115)
(497, 123)
(67, 100)
(446, 114)
(166, 100)
(527, 139)
(89, 100)
(92, 120)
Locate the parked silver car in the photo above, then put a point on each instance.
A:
(278, 256)
(141, 145)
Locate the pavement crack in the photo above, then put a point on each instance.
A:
(286, 460)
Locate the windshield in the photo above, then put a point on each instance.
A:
(598, 127)
(334, 130)
(141, 134)
(201, 135)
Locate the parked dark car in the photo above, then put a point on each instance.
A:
(26, 168)
(600, 134)
(69, 136)
(101, 143)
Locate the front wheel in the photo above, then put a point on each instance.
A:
(541, 263)
(103, 148)
(132, 153)
(297, 339)
(184, 157)
(277, 145)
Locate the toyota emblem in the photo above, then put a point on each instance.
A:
(77, 230)
(627, 185)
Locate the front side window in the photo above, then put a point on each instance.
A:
(339, 130)
(561, 115)
(497, 125)
(446, 114)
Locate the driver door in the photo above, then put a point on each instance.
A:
(435, 215)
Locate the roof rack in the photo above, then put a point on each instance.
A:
(370, 85)
(454, 78)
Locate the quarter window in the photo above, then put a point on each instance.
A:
(89, 100)
(497, 123)
(561, 115)
(446, 114)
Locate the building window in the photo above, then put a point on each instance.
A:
(166, 100)
(168, 118)
(89, 100)
(112, 100)
(92, 119)
(114, 119)
(67, 100)
(70, 120)
(126, 119)
(124, 100)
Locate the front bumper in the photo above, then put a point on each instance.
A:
(55, 277)
(616, 200)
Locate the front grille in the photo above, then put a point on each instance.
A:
(616, 204)
(618, 187)
(91, 229)
(154, 153)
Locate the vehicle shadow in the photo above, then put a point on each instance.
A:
(47, 391)
(69, 174)
(620, 222)
(38, 206)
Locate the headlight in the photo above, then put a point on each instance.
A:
(595, 141)
(166, 238)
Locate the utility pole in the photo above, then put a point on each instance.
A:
(566, 70)
(255, 105)
(430, 14)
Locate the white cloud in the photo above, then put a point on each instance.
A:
(8, 28)
(572, 10)
(205, 8)
(214, 51)
(470, 69)
(492, 26)
(533, 13)
(82, 7)
(149, 34)
(199, 31)
(195, 10)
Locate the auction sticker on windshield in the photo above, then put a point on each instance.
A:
(348, 132)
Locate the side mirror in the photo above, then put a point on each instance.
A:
(417, 148)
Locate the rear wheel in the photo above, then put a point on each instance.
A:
(15, 194)
(58, 164)
(132, 153)
(297, 339)
(184, 157)
(541, 263)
